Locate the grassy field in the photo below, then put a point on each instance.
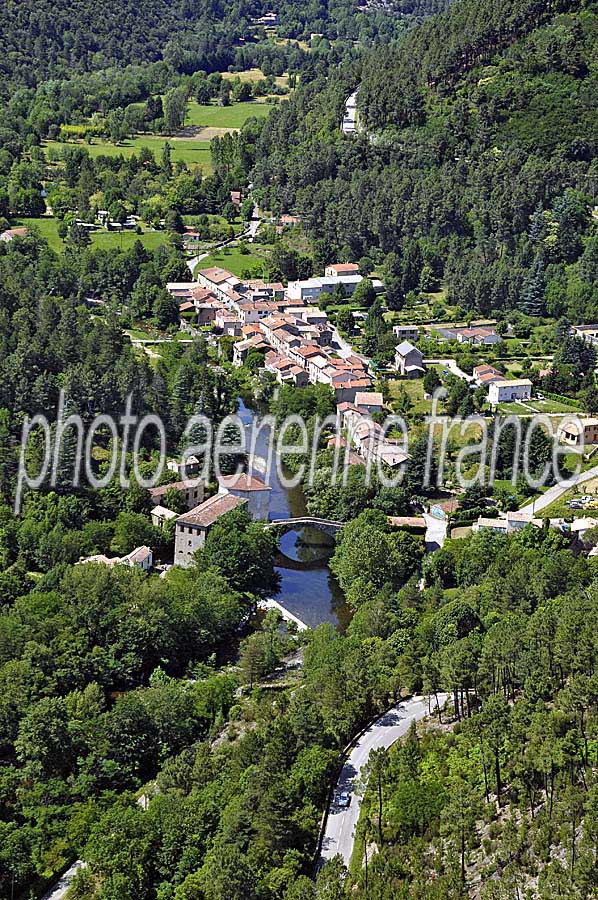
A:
(106, 240)
(233, 116)
(47, 227)
(414, 388)
(235, 261)
(251, 75)
(535, 406)
(189, 151)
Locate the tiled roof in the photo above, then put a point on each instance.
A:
(243, 482)
(210, 510)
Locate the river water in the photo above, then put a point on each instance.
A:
(308, 589)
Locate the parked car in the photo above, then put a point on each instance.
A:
(575, 505)
(540, 397)
(344, 800)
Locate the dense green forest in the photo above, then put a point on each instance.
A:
(53, 38)
(475, 165)
(504, 791)
(473, 173)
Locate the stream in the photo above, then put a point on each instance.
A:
(308, 589)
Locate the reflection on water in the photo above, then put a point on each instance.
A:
(307, 587)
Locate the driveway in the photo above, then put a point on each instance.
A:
(451, 365)
(340, 826)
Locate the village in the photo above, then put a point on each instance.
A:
(298, 345)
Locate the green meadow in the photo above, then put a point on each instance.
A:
(233, 116)
(189, 151)
(47, 226)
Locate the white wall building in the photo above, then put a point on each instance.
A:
(250, 488)
(406, 333)
(507, 391)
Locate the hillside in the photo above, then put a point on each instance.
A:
(54, 38)
(477, 171)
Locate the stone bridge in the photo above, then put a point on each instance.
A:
(328, 527)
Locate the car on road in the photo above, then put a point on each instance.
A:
(344, 799)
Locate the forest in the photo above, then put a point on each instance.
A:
(482, 183)
(149, 725)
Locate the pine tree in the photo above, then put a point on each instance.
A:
(534, 289)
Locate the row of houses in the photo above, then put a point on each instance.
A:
(302, 342)
(295, 335)
(367, 436)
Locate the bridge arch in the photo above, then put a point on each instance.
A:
(325, 525)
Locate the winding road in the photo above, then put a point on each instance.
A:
(339, 835)
(58, 891)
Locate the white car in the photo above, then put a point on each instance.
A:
(344, 800)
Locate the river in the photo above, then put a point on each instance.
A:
(308, 589)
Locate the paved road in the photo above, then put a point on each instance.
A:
(61, 887)
(339, 834)
(248, 233)
(435, 532)
(349, 124)
(557, 491)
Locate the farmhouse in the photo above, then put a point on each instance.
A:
(506, 391)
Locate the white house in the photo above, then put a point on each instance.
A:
(311, 288)
(406, 333)
(506, 391)
(142, 557)
(506, 524)
(409, 360)
(249, 488)
(335, 269)
(161, 515)
(186, 467)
